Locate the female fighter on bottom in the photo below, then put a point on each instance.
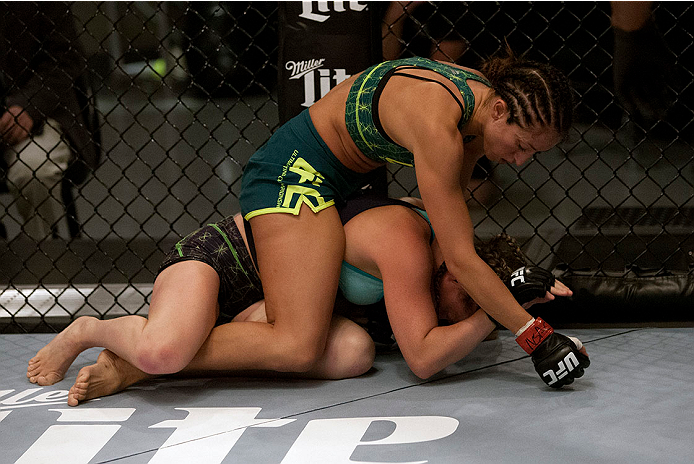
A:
(377, 232)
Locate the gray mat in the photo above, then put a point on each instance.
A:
(633, 405)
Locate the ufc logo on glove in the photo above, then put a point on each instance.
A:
(529, 282)
(568, 364)
(557, 358)
(518, 277)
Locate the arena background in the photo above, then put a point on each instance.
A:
(186, 92)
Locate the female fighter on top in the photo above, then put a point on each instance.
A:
(440, 118)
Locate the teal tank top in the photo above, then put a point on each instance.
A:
(360, 287)
(361, 112)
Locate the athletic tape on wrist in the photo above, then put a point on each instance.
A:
(531, 337)
(527, 324)
(577, 342)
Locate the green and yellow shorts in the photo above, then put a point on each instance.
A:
(295, 167)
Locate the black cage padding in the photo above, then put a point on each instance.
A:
(668, 297)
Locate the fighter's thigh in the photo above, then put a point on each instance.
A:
(299, 260)
(184, 304)
(349, 350)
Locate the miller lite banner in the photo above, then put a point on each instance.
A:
(322, 44)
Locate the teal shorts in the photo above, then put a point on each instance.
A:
(295, 167)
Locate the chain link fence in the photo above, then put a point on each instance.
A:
(179, 95)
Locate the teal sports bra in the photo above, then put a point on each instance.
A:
(361, 111)
(360, 287)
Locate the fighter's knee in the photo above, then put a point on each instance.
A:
(296, 354)
(357, 355)
(300, 359)
(158, 358)
(366, 350)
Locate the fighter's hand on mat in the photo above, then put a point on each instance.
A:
(558, 359)
(530, 282)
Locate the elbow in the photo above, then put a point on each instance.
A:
(459, 268)
(422, 369)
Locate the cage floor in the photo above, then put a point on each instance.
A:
(633, 405)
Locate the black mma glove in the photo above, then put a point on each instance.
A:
(529, 282)
(556, 357)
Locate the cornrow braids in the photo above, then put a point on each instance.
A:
(535, 93)
(503, 254)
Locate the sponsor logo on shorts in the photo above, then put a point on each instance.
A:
(303, 193)
(280, 178)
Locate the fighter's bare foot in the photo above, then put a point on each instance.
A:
(53, 360)
(109, 375)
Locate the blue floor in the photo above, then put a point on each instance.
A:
(634, 405)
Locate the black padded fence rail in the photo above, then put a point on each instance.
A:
(160, 105)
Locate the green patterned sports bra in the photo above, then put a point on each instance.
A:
(361, 112)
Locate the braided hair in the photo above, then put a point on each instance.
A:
(535, 93)
(502, 253)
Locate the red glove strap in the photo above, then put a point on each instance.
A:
(534, 335)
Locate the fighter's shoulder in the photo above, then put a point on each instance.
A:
(402, 251)
(394, 227)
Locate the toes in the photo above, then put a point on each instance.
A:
(73, 399)
(32, 369)
(77, 393)
(46, 380)
(81, 381)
